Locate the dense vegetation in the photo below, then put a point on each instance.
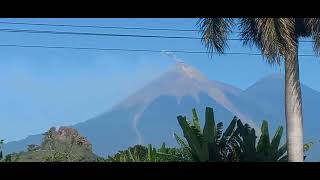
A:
(64, 145)
(1, 143)
(238, 143)
(139, 153)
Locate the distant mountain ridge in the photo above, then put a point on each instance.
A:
(149, 115)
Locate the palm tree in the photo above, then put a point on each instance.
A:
(277, 39)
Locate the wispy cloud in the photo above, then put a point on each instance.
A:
(171, 55)
(135, 127)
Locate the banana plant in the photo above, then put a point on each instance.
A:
(151, 155)
(148, 154)
(136, 153)
(264, 150)
(207, 144)
(166, 154)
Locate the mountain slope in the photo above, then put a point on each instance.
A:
(269, 92)
(149, 115)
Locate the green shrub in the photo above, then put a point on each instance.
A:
(209, 144)
(238, 142)
(139, 153)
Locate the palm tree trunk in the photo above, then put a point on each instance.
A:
(293, 108)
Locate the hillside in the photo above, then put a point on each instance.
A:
(149, 115)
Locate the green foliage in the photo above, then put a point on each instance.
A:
(70, 149)
(1, 153)
(238, 142)
(139, 153)
(208, 144)
(100, 159)
(13, 157)
(57, 148)
(264, 151)
(8, 158)
(308, 146)
(33, 147)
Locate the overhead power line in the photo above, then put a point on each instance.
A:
(98, 27)
(107, 34)
(131, 50)
(118, 27)
(94, 34)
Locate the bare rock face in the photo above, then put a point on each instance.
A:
(62, 145)
(68, 135)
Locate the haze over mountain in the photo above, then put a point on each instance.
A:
(149, 115)
(269, 93)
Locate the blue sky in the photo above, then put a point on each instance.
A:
(41, 88)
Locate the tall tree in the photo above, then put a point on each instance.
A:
(277, 39)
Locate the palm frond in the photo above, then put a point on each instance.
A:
(286, 28)
(214, 32)
(313, 24)
(273, 36)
